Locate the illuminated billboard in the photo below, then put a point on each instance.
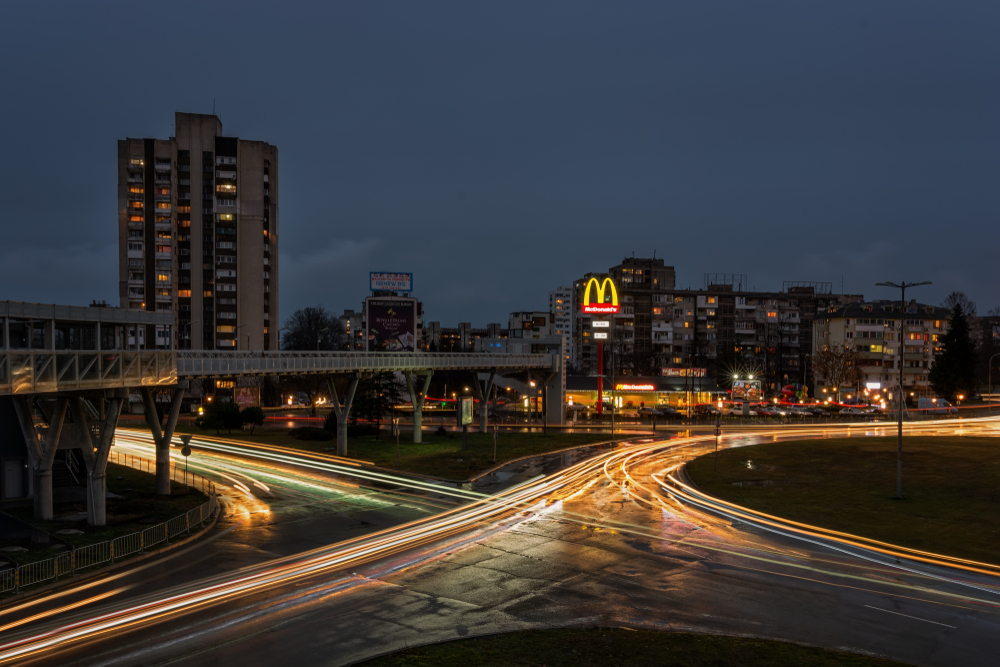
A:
(602, 289)
(391, 324)
(748, 390)
(634, 386)
(464, 409)
(391, 282)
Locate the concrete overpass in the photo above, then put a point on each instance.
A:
(65, 376)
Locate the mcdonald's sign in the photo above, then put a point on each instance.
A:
(603, 288)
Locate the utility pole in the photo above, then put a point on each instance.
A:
(902, 397)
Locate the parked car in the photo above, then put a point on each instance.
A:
(938, 406)
(851, 411)
(650, 412)
(737, 411)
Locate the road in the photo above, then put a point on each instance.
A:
(601, 542)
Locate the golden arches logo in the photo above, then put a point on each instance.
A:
(598, 306)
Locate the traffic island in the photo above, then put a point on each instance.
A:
(951, 487)
(439, 455)
(621, 646)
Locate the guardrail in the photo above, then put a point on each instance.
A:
(181, 475)
(35, 371)
(199, 363)
(13, 579)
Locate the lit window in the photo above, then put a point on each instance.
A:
(135, 161)
(135, 204)
(135, 218)
(163, 248)
(208, 292)
(135, 189)
(186, 293)
(183, 209)
(162, 204)
(163, 191)
(226, 216)
(225, 328)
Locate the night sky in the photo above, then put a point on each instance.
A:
(498, 150)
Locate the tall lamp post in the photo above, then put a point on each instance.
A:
(989, 365)
(899, 437)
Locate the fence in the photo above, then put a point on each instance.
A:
(177, 474)
(93, 555)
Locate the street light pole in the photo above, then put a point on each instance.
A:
(989, 364)
(899, 435)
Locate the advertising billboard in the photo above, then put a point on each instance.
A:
(747, 390)
(464, 409)
(382, 281)
(247, 397)
(684, 372)
(391, 324)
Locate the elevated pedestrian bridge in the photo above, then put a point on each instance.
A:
(50, 371)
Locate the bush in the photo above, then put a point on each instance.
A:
(220, 416)
(441, 431)
(253, 416)
(331, 422)
(311, 433)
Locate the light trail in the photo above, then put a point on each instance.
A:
(529, 496)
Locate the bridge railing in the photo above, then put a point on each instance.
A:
(195, 362)
(36, 371)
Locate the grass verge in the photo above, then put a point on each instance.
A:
(437, 455)
(951, 486)
(138, 508)
(617, 646)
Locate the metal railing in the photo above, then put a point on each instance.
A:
(198, 363)
(69, 563)
(177, 474)
(36, 371)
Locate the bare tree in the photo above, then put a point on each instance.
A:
(960, 298)
(311, 329)
(837, 366)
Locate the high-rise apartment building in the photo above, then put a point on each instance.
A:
(198, 234)
(561, 305)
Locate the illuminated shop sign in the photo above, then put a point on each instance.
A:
(628, 386)
(598, 306)
(600, 324)
(600, 335)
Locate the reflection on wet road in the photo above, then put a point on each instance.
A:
(601, 541)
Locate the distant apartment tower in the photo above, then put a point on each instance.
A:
(198, 234)
(561, 305)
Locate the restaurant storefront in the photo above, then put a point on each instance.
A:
(636, 392)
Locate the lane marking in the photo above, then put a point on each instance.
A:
(954, 627)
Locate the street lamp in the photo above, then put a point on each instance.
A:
(989, 364)
(319, 336)
(902, 398)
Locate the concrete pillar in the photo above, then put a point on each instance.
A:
(41, 455)
(417, 400)
(484, 399)
(555, 403)
(95, 455)
(343, 413)
(162, 438)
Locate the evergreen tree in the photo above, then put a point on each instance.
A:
(954, 371)
(376, 395)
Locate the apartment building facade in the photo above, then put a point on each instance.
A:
(660, 328)
(563, 307)
(874, 330)
(198, 234)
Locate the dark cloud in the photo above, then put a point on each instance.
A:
(499, 150)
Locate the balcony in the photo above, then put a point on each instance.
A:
(160, 166)
(231, 175)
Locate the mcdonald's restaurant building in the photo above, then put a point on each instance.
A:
(634, 392)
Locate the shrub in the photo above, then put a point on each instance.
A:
(441, 431)
(253, 416)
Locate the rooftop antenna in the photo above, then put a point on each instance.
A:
(654, 253)
(213, 106)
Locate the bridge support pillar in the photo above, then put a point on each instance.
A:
(95, 455)
(484, 399)
(163, 438)
(417, 400)
(555, 390)
(41, 455)
(343, 413)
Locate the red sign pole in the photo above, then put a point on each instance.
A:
(600, 377)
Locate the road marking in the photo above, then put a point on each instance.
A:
(913, 617)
